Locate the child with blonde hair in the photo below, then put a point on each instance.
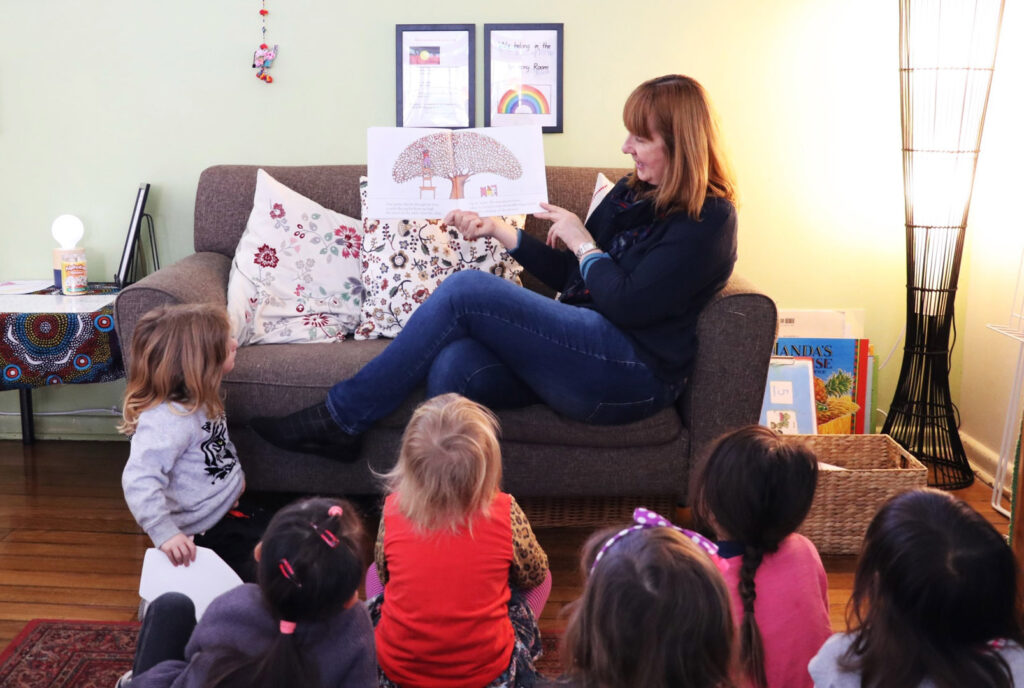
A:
(457, 559)
(183, 476)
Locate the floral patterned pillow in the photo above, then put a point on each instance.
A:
(403, 262)
(295, 276)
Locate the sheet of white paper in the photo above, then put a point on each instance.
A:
(424, 173)
(821, 322)
(23, 286)
(53, 303)
(202, 580)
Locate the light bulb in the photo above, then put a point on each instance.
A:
(67, 230)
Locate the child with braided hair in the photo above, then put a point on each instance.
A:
(302, 625)
(753, 492)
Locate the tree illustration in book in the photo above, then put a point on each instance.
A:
(455, 156)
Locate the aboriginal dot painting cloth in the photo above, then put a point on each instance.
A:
(38, 349)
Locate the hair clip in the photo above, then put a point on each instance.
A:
(645, 518)
(287, 627)
(327, 536)
(288, 572)
(335, 511)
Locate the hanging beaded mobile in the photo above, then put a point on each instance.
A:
(264, 56)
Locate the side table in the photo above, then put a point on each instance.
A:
(47, 338)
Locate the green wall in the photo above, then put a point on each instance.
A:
(97, 97)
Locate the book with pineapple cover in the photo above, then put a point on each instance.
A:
(841, 380)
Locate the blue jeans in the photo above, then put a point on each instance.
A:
(504, 346)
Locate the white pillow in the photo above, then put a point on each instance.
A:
(601, 188)
(405, 260)
(295, 275)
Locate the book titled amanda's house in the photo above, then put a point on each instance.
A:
(841, 379)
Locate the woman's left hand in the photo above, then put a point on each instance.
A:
(565, 226)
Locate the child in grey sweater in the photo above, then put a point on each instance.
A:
(183, 476)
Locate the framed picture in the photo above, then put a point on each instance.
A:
(129, 255)
(523, 75)
(435, 68)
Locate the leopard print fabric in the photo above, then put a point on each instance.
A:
(529, 562)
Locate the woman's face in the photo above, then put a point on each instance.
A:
(649, 154)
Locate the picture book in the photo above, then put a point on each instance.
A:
(840, 380)
(789, 407)
(425, 173)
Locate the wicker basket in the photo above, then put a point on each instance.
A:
(846, 501)
(591, 512)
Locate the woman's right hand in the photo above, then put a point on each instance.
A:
(179, 549)
(471, 226)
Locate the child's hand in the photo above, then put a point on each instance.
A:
(180, 549)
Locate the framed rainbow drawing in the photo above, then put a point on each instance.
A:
(435, 71)
(523, 75)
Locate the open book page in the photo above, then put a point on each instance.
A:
(424, 173)
(202, 580)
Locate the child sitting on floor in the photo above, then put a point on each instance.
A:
(654, 612)
(182, 476)
(935, 603)
(457, 559)
(754, 491)
(301, 626)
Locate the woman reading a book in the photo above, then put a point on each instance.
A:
(617, 344)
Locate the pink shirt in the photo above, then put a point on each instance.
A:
(791, 609)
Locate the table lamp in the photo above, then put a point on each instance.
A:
(69, 273)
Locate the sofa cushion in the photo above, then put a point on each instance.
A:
(601, 188)
(278, 379)
(404, 261)
(295, 274)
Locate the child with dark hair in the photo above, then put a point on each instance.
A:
(935, 603)
(654, 612)
(302, 625)
(753, 492)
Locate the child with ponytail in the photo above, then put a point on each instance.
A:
(302, 625)
(753, 492)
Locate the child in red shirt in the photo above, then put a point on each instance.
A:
(456, 556)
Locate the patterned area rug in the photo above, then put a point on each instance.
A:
(93, 654)
(52, 653)
(549, 664)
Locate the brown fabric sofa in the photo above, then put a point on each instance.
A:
(545, 455)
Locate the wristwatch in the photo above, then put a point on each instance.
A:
(583, 248)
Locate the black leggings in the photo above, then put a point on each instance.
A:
(165, 631)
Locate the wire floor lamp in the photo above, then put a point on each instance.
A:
(947, 56)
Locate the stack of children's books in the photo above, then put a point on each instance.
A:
(822, 378)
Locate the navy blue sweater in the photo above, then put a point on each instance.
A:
(656, 288)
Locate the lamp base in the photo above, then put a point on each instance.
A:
(922, 421)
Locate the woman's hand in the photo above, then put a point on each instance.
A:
(179, 549)
(471, 226)
(565, 226)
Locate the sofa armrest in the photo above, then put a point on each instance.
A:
(198, 278)
(735, 336)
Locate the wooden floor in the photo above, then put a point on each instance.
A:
(70, 549)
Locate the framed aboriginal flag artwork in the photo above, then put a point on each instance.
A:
(435, 72)
(523, 75)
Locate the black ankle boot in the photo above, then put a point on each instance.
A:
(310, 431)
